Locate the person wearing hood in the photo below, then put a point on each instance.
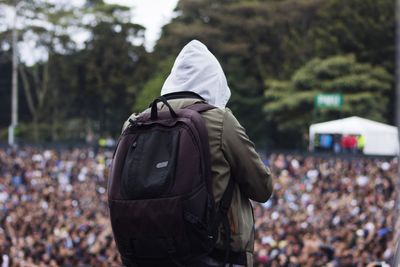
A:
(197, 76)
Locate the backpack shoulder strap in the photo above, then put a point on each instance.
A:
(225, 202)
(222, 218)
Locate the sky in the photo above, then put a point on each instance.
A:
(152, 14)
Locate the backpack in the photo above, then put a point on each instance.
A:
(160, 197)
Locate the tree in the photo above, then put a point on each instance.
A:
(260, 40)
(255, 41)
(5, 90)
(45, 24)
(70, 90)
(289, 104)
(365, 28)
(113, 67)
(152, 88)
(5, 70)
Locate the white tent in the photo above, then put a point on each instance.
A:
(380, 138)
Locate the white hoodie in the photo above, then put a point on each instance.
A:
(197, 70)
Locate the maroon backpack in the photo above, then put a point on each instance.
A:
(160, 197)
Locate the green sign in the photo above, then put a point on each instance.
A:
(328, 101)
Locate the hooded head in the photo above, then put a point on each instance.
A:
(197, 70)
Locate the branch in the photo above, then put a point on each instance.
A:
(27, 89)
(45, 84)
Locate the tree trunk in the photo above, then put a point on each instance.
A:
(54, 115)
(35, 126)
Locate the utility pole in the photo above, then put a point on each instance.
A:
(14, 93)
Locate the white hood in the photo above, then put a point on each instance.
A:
(197, 70)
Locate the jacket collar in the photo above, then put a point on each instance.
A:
(183, 94)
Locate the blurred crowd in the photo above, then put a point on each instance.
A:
(327, 212)
(323, 212)
(53, 209)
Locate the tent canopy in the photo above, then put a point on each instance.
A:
(380, 138)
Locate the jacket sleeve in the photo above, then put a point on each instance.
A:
(248, 170)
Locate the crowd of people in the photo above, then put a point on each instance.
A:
(54, 209)
(327, 212)
(323, 212)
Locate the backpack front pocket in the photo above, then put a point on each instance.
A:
(150, 165)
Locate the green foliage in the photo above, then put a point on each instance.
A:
(256, 41)
(110, 63)
(259, 40)
(289, 104)
(149, 92)
(5, 89)
(365, 28)
(153, 86)
(96, 85)
(111, 68)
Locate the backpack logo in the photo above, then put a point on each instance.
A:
(162, 164)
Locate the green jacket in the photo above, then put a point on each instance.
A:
(233, 156)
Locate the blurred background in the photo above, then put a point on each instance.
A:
(312, 81)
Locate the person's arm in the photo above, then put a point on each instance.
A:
(253, 177)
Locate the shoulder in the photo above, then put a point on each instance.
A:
(229, 118)
(217, 115)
